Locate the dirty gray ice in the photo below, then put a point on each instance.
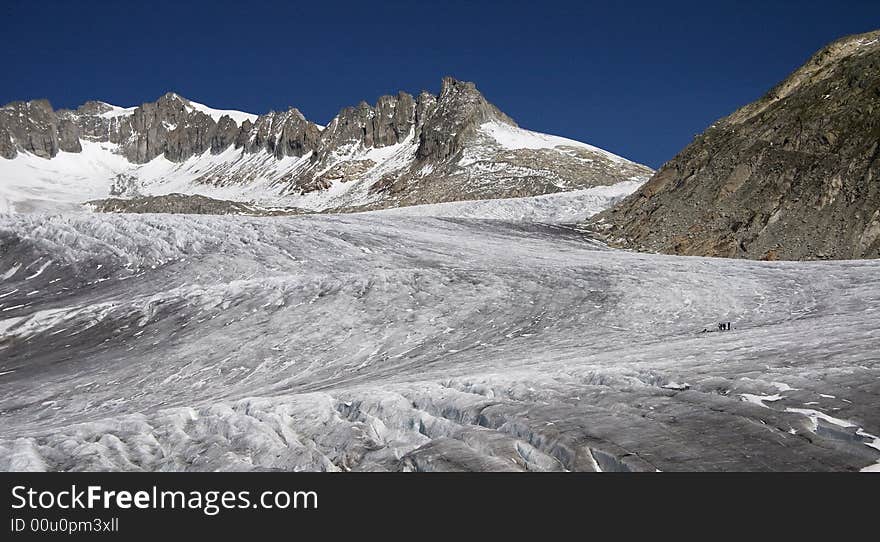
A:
(384, 342)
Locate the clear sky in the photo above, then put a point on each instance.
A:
(639, 78)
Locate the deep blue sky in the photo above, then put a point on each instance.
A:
(639, 78)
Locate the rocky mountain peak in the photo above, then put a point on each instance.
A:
(453, 118)
(172, 97)
(451, 85)
(178, 128)
(401, 150)
(387, 123)
(461, 98)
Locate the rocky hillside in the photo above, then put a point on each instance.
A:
(791, 176)
(403, 150)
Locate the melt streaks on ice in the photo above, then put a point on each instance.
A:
(760, 399)
(11, 272)
(39, 271)
(816, 415)
(379, 341)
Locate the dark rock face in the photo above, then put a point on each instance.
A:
(224, 135)
(282, 134)
(34, 127)
(7, 145)
(68, 136)
(793, 175)
(388, 123)
(92, 126)
(170, 126)
(166, 127)
(453, 118)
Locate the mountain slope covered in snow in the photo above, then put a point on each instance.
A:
(404, 150)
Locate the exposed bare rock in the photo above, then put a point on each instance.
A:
(453, 119)
(388, 123)
(281, 134)
(347, 171)
(33, 127)
(7, 145)
(224, 135)
(400, 151)
(183, 204)
(792, 176)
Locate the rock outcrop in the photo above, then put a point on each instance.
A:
(452, 119)
(35, 128)
(183, 204)
(791, 176)
(281, 134)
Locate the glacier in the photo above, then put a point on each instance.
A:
(477, 336)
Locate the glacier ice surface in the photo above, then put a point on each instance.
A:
(381, 341)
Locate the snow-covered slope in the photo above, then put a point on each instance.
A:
(378, 342)
(513, 137)
(29, 183)
(458, 147)
(115, 111)
(238, 116)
